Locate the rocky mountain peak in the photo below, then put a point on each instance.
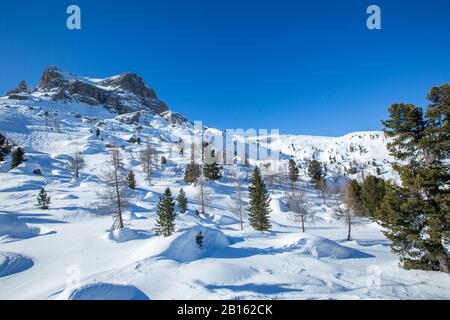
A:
(21, 92)
(124, 93)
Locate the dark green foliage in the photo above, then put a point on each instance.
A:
(354, 191)
(43, 200)
(212, 171)
(372, 194)
(131, 180)
(5, 148)
(293, 171)
(199, 239)
(259, 208)
(182, 201)
(17, 157)
(193, 172)
(165, 224)
(315, 170)
(415, 216)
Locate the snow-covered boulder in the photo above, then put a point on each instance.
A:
(183, 247)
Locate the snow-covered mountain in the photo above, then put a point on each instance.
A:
(43, 252)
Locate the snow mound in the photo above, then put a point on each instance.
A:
(125, 235)
(12, 263)
(319, 247)
(104, 291)
(132, 216)
(13, 227)
(184, 247)
(224, 220)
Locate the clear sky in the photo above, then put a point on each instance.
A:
(304, 67)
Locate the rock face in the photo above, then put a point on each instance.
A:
(124, 93)
(174, 118)
(21, 92)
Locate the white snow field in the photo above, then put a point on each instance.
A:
(45, 254)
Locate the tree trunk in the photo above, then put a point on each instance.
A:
(119, 204)
(349, 236)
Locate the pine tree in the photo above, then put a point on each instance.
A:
(165, 224)
(131, 180)
(212, 171)
(17, 157)
(163, 160)
(315, 170)
(354, 195)
(259, 209)
(97, 132)
(293, 173)
(182, 201)
(43, 200)
(193, 172)
(372, 194)
(420, 145)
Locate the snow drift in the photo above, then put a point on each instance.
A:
(104, 291)
(319, 247)
(12, 227)
(12, 263)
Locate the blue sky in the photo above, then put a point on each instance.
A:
(305, 67)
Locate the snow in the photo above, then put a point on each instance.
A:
(40, 249)
(12, 228)
(103, 291)
(12, 263)
(125, 235)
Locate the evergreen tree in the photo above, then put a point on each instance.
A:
(372, 194)
(193, 172)
(163, 160)
(182, 201)
(293, 171)
(315, 170)
(17, 157)
(43, 200)
(131, 180)
(259, 208)
(165, 224)
(354, 194)
(419, 231)
(212, 171)
(97, 132)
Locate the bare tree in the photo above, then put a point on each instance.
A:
(146, 157)
(237, 206)
(299, 209)
(76, 163)
(203, 193)
(346, 209)
(113, 199)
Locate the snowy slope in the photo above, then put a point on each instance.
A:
(42, 253)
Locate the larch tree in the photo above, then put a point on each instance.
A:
(113, 198)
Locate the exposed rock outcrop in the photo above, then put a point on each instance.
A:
(21, 92)
(124, 93)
